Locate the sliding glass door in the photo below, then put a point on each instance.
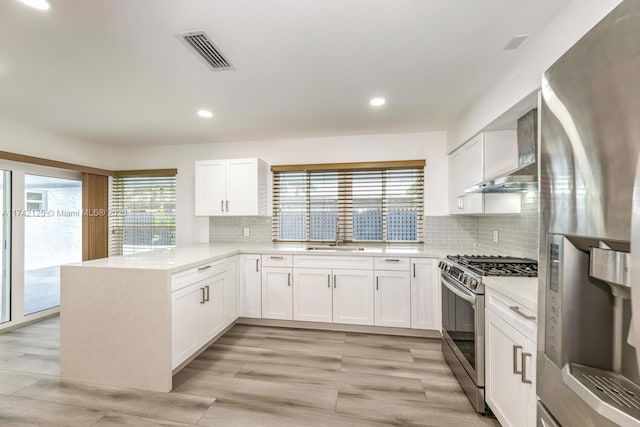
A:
(53, 237)
(5, 241)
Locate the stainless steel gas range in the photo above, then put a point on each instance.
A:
(463, 314)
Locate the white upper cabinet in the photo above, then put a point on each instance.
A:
(500, 153)
(484, 156)
(231, 187)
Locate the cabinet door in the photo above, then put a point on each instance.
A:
(211, 312)
(251, 287)
(512, 401)
(312, 295)
(277, 293)
(242, 187)
(184, 322)
(456, 182)
(353, 297)
(210, 191)
(474, 161)
(393, 299)
(231, 291)
(425, 294)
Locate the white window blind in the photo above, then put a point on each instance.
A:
(142, 213)
(361, 203)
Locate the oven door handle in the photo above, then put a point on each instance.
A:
(456, 290)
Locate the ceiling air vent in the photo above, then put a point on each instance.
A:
(200, 42)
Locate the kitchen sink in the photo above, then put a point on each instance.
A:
(335, 248)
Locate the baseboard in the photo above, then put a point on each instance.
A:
(340, 327)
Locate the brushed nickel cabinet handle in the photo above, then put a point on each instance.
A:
(377, 282)
(515, 359)
(221, 205)
(524, 368)
(392, 260)
(202, 296)
(276, 257)
(289, 279)
(334, 280)
(206, 267)
(227, 206)
(414, 269)
(329, 281)
(257, 262)
(206, 288)
(517, 310)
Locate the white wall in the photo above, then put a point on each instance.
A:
(534, 57)
(17, 138)
(430, 146)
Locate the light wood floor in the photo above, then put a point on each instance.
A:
(252, 376)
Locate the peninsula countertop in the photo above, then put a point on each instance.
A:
(188, 256)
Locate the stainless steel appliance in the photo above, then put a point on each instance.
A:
(463, 314)
(587, 372)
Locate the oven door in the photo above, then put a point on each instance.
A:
(463, 326)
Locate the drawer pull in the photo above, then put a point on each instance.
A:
(206, 267)
(517, 310)
(276, 257)
(392, 260)
(524, 368)
(515, 360)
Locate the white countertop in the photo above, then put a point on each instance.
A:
(523, 290)
(185, 257)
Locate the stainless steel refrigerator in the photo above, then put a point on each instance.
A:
(589, 267)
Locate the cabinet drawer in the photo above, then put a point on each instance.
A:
(185, 278)
(334, 261)
(521, 318)
(277, 260)
(392, 263)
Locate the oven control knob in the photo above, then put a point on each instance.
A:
(474, 283)
(465, 280)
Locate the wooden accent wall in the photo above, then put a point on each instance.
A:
(95, 219)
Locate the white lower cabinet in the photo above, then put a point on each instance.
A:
(353, 297)
(425, 294)
(333, 295)
(211, 311)
(250, 286)
(393, 299)
(231, 290)
(277, 293)
(510, 368)
(185, 310)
(312, 295)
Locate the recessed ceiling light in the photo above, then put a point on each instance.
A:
(205, 114)
(37, 4)
(377, 102)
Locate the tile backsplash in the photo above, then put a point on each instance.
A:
(518, 234)
(226, 229)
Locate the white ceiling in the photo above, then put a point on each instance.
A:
(112, 71)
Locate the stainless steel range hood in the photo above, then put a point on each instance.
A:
(525, 176)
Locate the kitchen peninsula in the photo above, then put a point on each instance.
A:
(134, 320)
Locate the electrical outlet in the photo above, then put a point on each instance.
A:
(495, 236)
(246, 232)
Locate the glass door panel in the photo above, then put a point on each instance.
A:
(53, 237)
(5, 242)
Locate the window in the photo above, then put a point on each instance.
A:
(36, 200)
(357, 202)
(143, 212)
